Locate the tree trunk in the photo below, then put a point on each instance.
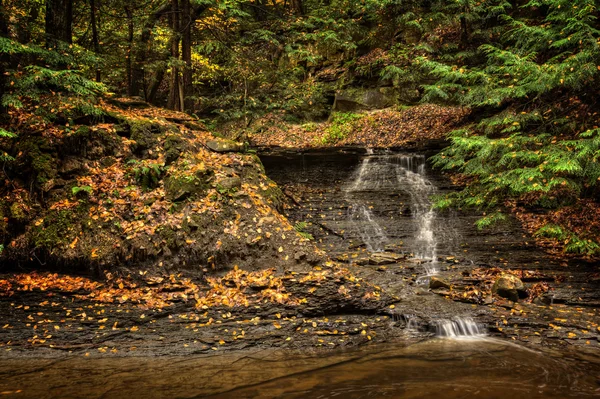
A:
(4, 58)
(137, 69)
(155, 84)
(188, 21)
(95, 39)
(174, 90)
(59, 22)
(129, 15)
(464, 34)
(298, 7)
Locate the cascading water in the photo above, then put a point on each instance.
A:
(459, 328)
(390, 173)
(372, 176)
(412, 179)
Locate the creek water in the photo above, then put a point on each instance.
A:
(437, 368)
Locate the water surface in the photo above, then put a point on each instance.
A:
(437, 368)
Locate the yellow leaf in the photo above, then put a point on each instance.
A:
(134, 328)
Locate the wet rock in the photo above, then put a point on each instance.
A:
(509, 287)
(223, 145)
(436, 283)
(385, 258)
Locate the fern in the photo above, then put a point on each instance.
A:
(300, 229)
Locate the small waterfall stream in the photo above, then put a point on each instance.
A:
(459, 328)
(388, 173)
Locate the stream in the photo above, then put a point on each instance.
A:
(437, 368)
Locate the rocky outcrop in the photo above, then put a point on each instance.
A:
(143, 193)
(357, 99)
(223, 145)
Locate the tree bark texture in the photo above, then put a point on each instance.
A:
(59, 22)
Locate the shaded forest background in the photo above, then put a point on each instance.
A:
(527, 71)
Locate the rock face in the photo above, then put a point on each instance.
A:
(373, 98)
(223, 145)
(510, 287)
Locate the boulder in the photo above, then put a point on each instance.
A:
(437, 283)
(224, 145)
(510, 287)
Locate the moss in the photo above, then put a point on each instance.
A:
(180, 187)
(3, 217)
(17, 212)
(173, 147)
(168, 236)
(143, 133)
(83, 131)
(274, 196)
(58, 229)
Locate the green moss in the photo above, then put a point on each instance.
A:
(173, 146)
(17, 212)
(42, 162)
(274, 196)
(341, 125)
(181, 186)
(58, 229)
(144, 135)
(83, 131)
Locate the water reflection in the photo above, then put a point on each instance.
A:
(438, 368)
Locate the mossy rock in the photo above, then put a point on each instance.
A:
(41, 158)
(274, 196)
(224, 145)
(181, 186)
(57, 230)
(17, 212)
(229, 184)
(173, 147)
(145, 135)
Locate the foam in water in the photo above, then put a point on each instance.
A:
(459, 328)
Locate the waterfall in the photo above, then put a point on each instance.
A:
(413, 179)
(392, 173)
(459, 328)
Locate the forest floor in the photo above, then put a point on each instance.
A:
(415, 126)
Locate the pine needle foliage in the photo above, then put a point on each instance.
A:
(58, 71)
(536, 144)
